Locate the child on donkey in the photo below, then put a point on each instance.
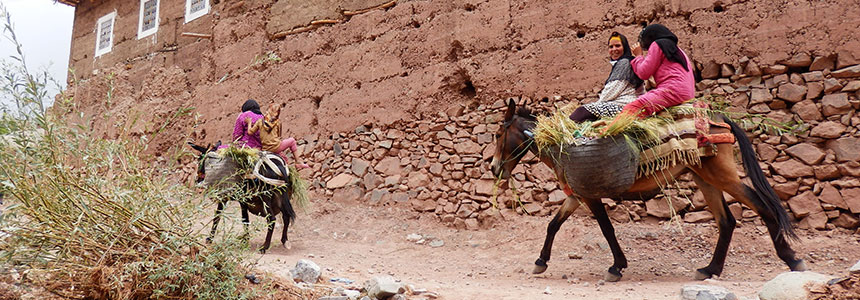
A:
(269, 128)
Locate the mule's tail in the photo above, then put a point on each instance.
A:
(764, 195)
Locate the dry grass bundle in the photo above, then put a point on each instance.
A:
(557, 129)
(244, 156)
(300, 189)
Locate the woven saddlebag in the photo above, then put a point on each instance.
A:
(600, 168)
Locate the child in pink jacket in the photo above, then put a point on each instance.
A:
(669, 65)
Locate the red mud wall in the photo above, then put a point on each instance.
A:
(422, 56)
(398, 104)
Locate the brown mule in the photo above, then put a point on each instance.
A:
(715, 175)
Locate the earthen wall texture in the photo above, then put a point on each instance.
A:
(419, 82)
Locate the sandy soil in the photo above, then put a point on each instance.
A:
(357, 242)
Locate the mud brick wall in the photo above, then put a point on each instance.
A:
(425, 80)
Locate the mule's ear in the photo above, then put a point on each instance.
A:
(512, 108)
(198, 148)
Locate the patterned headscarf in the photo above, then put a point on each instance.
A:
(621, 69)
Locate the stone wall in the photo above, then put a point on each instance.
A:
(439, 165)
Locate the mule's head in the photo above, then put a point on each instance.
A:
(201, 158)
(513, 140)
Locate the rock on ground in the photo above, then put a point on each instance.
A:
(791, 286)
(306, 271)
(381, 287)
(706, 292)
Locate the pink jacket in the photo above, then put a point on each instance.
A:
(669, 75)
(240, 130)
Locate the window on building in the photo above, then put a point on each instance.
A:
(148, 21)
(195, 9)
(104, 33)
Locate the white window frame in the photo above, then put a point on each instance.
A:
(108, 17)
(191, 16)
(144, 33)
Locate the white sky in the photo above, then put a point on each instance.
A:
(45, 31)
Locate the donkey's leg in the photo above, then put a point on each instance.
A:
(245, 221)
(747, 196)
(761, 197)
(215, 221)
(725, 224)
(284, 232)
(270, 220)
(287, 213)
(569, 206)
(620, 262)
(783, 249)
(720, 172)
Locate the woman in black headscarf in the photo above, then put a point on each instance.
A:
(669, 65)
(621, 87)
(250, 115)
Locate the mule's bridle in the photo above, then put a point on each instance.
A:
(517, 151)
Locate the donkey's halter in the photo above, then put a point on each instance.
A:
(518, 152)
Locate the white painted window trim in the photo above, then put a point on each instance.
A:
(140, 32)
(108, 17)
(191, 16)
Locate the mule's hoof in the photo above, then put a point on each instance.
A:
(609, 277)
(540, 266)
(800, 266)
(288, 245)
(612, 275)
(700, 275)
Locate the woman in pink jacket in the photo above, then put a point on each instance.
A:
(669, 65)
(250, 115)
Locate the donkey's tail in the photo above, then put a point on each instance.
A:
(763, 194)
(287, 211)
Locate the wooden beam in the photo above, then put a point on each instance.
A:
(72, 3)
(197, 35)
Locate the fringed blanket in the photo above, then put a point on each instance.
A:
(691, 136)
(677, 146)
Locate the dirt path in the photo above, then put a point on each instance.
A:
(357, 242)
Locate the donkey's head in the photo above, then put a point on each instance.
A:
(513, 139)
(201, 158)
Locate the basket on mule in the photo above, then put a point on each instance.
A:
(597, 168)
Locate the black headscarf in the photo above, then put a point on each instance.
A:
(667, 41)
(252, 106)
(622, 70)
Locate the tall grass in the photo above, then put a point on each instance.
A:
(87, 218)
